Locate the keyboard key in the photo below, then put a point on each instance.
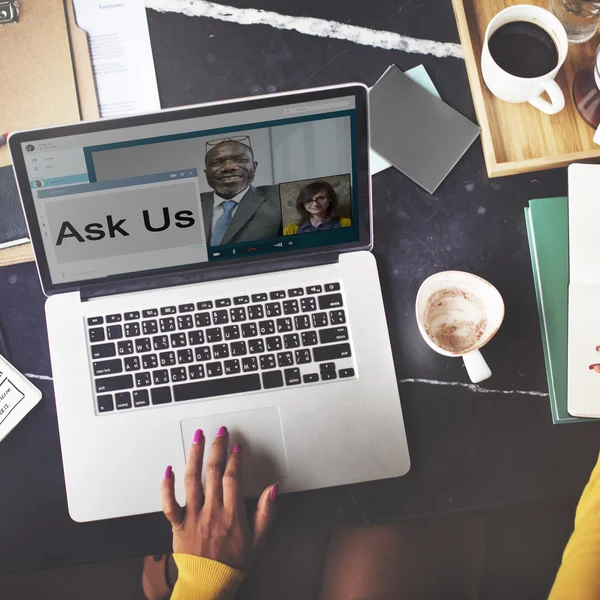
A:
(314, 289)
(223, 302)
(95, 321)
(220, 317)
(330, 301)
(249, 364)
(96, 334)
(335, 334)
(272, 379)
(295, 292)
(111, 384)
(105, 403)
(284, 325)
(302, 322)
(274, 343)
(220, 351)
(185, 322)
(320, 319)
(131, 316)
(309, 338)
(196, 371)
(328, 375)
(132, 329)
(237, 314)
(259, 297)
(249, 330)
(113, 318)
(346, 373)
(123, 400)
(196, 338)
(241, 300)
(108, 367)
(285, 359)
(292, 377)
(231, 332)
(214, 369)
(267, 361)
(167, 324)
(332, 352)
(178, 340)
(308, 304)
(149, 361)
(214, 335)
(220, 387)
(167, 359)
(290, 307)
(332, 287)
(327, 366)
(202, 319)
(337, 317)
(185, 356)
(185, 308)
(232, 367)
(168, 310)
(310, 377)
(273, 309)
(143, 345)
(256, 346)
(132, 363)
(291, 340)
(204, 305)
(160, 376)
(149, 327)
(266, 327)
(141, 398)
(160, 342)
(114, 332)
(178, 374)
(142, 379)
(202, 353)
(125, 348)
(277, 295)
(104, 350)
(303, 356)
(151, 312)
(161, 395)
(256, 312)
(238, 349)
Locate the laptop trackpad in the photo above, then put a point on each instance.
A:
(261, 435)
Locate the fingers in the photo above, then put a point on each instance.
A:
(265, 515)
(170, 507)
(233, 497)
(215, 468)
(194, 495)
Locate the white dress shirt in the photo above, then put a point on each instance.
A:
(218, 208)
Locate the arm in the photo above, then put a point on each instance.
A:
(213, 543)
(579, 573)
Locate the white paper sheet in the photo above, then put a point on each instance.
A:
(121, 55)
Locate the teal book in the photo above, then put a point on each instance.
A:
(548, 233)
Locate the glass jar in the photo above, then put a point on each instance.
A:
(580, 18)
(586, 90)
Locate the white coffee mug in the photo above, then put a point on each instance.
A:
(468, 307)
(511, 88)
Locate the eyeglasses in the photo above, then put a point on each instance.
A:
(317, 200)
(242, 139)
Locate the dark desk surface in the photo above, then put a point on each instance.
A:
(468, 448)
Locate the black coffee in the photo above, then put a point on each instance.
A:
(523, 49)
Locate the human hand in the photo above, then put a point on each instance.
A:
(215, 525)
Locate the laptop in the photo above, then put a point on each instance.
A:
(208, 266)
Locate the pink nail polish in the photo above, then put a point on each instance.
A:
(198, 436)
(237, 448)
(168, 472)
(273, 493)
(222, 432)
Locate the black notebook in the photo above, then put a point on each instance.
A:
(12, 221)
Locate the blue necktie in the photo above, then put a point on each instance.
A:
(223, 222)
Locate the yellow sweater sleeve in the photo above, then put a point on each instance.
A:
(205, 579)
(579, 573)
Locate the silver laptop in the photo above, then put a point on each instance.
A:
(211, 266)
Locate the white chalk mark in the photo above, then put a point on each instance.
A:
(34, 376)
(475, 388)
(387, 40)
(362, 512)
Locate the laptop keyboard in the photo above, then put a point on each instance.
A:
(201, 350)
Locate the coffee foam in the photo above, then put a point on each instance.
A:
(455, 319)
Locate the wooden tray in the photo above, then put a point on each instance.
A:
(518, 138)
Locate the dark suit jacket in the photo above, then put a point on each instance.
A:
(257, 217)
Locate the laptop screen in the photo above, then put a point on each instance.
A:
(218, 187)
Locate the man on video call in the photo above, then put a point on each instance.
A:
(236, 211)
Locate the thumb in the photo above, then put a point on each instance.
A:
(265, 515)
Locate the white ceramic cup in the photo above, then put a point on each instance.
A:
(514, 89)
(465, 304)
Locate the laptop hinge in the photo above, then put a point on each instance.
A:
(227, 271)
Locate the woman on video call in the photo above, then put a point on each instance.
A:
(317, 210)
